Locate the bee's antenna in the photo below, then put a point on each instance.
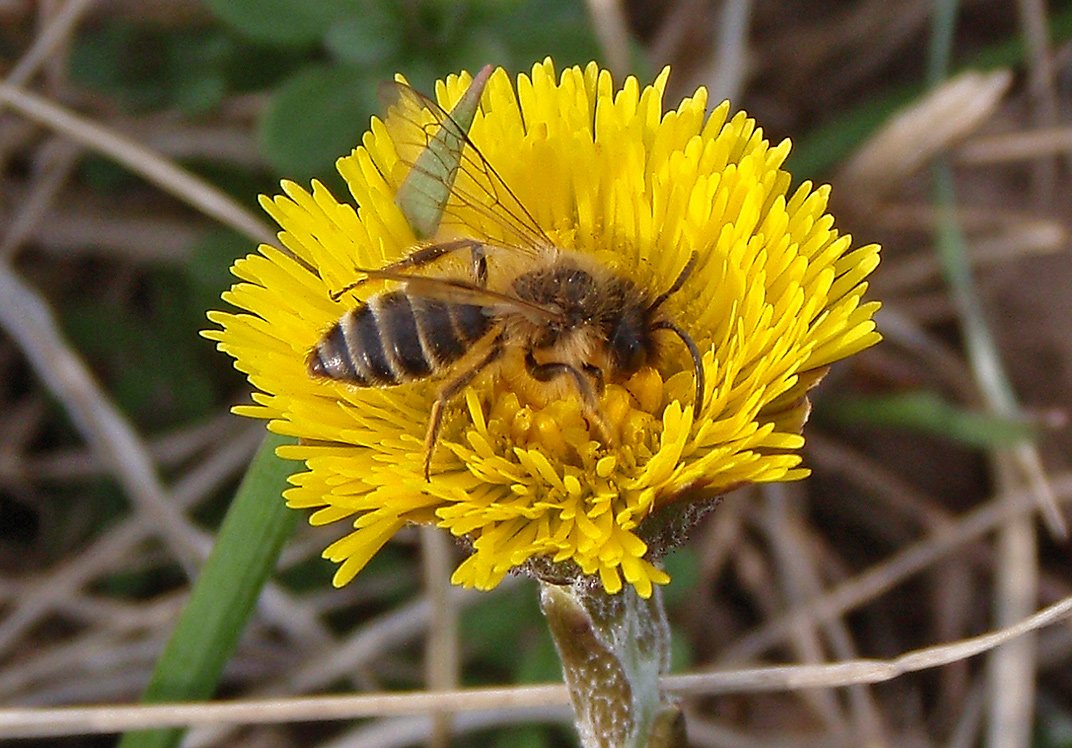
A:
(678, 283)
(697, 359)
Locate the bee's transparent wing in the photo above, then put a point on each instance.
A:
(444, 175)
(458, 291)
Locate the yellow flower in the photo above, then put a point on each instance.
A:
(526, 478)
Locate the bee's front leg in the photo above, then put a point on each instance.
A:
(589, 394)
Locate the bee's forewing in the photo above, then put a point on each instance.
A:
(443, 181)
(430, 148)
(458, 291)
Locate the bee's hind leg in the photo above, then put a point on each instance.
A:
(422, 256)
(429, 253)
(583, 380)
(447, 393)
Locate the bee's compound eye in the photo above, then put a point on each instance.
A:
(628, 345)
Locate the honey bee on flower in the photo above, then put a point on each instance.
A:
(616, 309)
(569, 319)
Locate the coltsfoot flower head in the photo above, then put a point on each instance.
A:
(529, 469)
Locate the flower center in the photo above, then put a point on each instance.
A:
(553, 421)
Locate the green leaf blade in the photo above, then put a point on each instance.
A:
(927, 412)
(257, 525)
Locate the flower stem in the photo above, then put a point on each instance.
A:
(613, 649)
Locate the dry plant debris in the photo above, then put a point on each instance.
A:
(132, 144)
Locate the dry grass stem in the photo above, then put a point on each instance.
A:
(142, 161)
(373, 638)
(61, 157)
(1042, 87)
(612, 29)
(1011, 244)
(54, 34)
(28, 320)
(405, 731)
(441, 657)
(1009, 147)
(725, 75)
(1012, 672)
(916, 135)
(797, 570)
(114, 718)
(883, 576)
(79, 229)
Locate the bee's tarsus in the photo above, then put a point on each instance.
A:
(694, 352)
(336, 295)
(597, 376)
(435, 420)
(420, 257)
(548, 371)
(446, 394)
(583, 378)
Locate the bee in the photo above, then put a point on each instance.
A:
(570, 319)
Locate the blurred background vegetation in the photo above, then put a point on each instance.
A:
(911, 444)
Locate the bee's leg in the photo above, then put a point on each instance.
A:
(480, 265)
(447, 393)
(597, 376)
(425, 256)
(432, 252)
(589, 394)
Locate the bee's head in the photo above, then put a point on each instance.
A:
(630, 341)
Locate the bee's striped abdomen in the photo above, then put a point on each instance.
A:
(394, 338)
(449, 330)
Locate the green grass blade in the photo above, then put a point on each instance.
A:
(927, 412)
(257, 525)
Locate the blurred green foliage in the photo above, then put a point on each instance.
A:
(347, 47)
(191, 70)
(158, 382)
(928, 413)
(315, 67)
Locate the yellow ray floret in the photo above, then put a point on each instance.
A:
(775, 296)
